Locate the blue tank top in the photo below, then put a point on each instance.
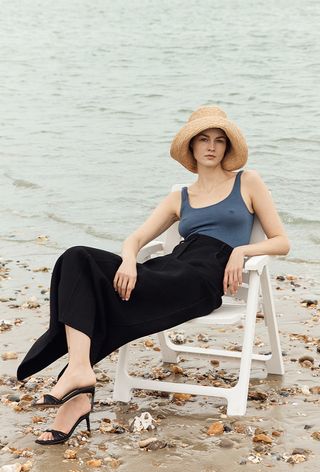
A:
(229, 221)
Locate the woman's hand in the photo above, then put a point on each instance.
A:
(233, 271)
(125, 279)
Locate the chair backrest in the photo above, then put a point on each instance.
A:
(171, 236)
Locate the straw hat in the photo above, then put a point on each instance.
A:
(205, 118)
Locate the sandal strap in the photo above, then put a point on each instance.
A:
(57, 434)
(50, 400)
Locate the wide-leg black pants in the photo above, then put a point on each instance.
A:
(169, 290)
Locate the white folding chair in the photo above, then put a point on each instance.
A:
(243, 307)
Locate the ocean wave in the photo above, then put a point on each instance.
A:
(85, 228)
(298, 220)
(22, 182)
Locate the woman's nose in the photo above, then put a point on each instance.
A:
(211, 145)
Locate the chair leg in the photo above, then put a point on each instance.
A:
(168, 354)
(237, 403)
(275, 364)
(122, 387)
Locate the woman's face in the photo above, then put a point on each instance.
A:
(209, 147)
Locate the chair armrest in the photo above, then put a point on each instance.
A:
(149, 249)
(256, 263)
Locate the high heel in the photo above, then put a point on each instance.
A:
(60, 436)
(50, 401)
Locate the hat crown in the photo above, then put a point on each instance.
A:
(207, 111)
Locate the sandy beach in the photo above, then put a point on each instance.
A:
(280, 430)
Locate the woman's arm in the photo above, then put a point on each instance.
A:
(164, 215)
(277, 242)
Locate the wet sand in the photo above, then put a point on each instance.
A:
(282, 416)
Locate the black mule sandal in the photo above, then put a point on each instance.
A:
(60, 436)
(51, 401)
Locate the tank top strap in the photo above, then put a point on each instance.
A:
(236, 186)
(184, 194)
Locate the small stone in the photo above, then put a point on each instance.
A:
(41, 269)
(31, 303)
(102, 377)
(291, 277)
(262, 438)
(215, 362)
(9, 355)
(308, 303)
(177, 337)
(226, 443)
(13, 397)
(257, 395)
(316, 435)
(276, 433)
(176, 369)
(182, 397)
(26, 466)
(299, 450)
(38, 419)
(215, 429)
(70, 454)
(315, 390)
(280, 277)
(296, 459)
(155, 445)
(305, 390)
(202, 338)
(148, 343)
(146, 442)
(93, 463)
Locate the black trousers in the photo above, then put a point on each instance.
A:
(169, 290)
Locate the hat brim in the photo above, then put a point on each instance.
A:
(235, 157)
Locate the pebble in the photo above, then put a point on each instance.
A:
(296, 459)
(93, 463)
(226, 443)
(146, 442)
(257, 395)
(215, 429)
(155, 445)
(183, 397)
(70, 454)
(13, 397)
(177, 337)
(299, 450)
(308, 303)
(316, 435)
(31, 303)
(262, 438)
(9, 355)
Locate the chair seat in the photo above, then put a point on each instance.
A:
(228, 313)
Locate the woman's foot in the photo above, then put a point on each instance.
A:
(67, 415)
(71, 379)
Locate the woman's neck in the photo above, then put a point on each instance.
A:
(208, 179)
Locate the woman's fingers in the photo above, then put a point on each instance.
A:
(124, 284)
(232, 280)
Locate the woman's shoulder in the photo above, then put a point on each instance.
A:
(251, 177)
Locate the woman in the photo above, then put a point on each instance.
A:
(100, 301)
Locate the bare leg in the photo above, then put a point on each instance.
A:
(67, 415)
(79, 372)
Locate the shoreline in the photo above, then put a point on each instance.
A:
(285, 409)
